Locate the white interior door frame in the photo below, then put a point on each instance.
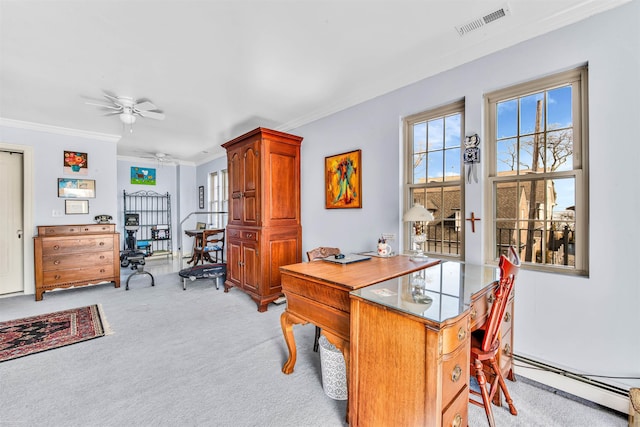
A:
(27, 209)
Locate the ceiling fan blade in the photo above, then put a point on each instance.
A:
(111, 107)
(110, 96)
(112, 113)
(151, 115)
(145, 106)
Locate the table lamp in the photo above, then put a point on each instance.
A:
(418, 214)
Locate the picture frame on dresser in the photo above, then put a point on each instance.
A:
(76, 188)
(76, 207)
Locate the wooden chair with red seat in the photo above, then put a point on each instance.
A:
(314, 255)
(485, 342)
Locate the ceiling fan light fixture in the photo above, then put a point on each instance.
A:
(127, 118)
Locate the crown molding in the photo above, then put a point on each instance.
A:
(39, 127)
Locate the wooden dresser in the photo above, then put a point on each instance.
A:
(75, 255)
(264, 230)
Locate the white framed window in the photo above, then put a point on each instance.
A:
(434, 178)
(218, 197)
(537, 154)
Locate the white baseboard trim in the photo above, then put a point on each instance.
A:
(608, 396)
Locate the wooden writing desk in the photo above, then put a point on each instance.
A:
(320, 293)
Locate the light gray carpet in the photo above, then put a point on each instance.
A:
(200, 357)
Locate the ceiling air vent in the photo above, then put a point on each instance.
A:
(480, 22)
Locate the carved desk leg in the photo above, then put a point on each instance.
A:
(287, 320)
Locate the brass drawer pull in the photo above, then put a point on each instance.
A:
(56, 262)
(462, 333)
(249, 236)
(101, 256)
(491, 298)
(57, 276)
(456, 373)
(56, 247)
(101, 243)
(507, 317)
(474, 313)
(457, 421)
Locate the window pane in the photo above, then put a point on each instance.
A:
(532, 113)
(565, 198)
(507, 119)
(436, 134)
(420, 137)
(452, 131)
(452, 164)
(434, 228)
(435, 166)
(507, 157)
(450, 224)
(419, 168)
(525, 155)
(506, 201)
(560, 114)
(559, 154)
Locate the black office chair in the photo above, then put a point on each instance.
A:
(131, 255)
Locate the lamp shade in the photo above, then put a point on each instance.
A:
(417, 213)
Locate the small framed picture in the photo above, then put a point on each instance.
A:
(70, 188)
(201, 197)
(76, 207)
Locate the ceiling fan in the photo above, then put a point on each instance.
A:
(128, 109)
(161, 158)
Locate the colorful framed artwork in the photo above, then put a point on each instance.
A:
(343, 180)
(143, 176)
(76, 207)
(76, 188)
(75, 163)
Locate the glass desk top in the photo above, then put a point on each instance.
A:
(437, 293)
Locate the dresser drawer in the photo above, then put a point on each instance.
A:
(84, 274)
(80, 244)
(455, 373)
(455, 335)
(60, 230)
(65, 261)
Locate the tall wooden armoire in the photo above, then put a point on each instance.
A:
(264, 230)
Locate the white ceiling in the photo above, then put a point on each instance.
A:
(220, 68)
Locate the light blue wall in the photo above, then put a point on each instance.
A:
(48, 154)
(572, 322)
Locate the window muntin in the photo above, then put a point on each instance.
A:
(537, 149)
(434, 141)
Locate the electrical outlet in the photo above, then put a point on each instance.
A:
(389, 236)
(56, 212)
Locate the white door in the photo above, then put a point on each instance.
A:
(11, 223)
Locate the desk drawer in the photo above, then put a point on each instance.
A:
(327, 318)
(104, 272)
(320, 292)
(68, 261)
(455, 335)
(73, 244)
(456, 415)
(455, 373)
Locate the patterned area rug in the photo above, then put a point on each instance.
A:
(30, 335)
